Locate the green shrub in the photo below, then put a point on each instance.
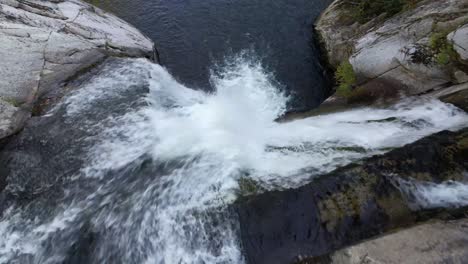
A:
(346, 78)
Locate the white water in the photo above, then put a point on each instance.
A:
(428, 195)
(201, 144)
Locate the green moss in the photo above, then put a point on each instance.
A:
(346, 78)
(447, 55)
(437, 41)
(443, 50)
(442, 58)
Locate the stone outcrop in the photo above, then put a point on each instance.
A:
(421, 49)
(44, 44)
(353, 203)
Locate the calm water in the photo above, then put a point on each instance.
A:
(193, 36)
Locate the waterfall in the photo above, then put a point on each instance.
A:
(160, 163)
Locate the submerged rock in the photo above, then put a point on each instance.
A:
(353, 203)
(44, 44)
(420, 49)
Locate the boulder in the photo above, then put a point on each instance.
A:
(417, 50)
(353, 203)
(44, 44)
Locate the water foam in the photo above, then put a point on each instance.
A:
(160, 176)
(429, 195)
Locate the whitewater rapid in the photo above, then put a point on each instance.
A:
(160, 173)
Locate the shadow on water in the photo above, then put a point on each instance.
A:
(193, 35)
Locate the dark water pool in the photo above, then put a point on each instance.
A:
(194, 35)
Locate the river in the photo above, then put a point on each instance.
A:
(193, 37)
(140, 165)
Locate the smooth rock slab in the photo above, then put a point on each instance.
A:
(43, 44)
(431, 243)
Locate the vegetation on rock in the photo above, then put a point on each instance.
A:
(346, 78)
(443, 51)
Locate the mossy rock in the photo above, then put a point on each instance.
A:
(443, 51)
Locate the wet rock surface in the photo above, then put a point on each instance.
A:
(350, 204)
(44, 44)
(456, 95)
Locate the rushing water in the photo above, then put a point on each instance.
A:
(150, 166)
(192, 35)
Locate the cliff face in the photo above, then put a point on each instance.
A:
(44, 44)
(420, 48)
